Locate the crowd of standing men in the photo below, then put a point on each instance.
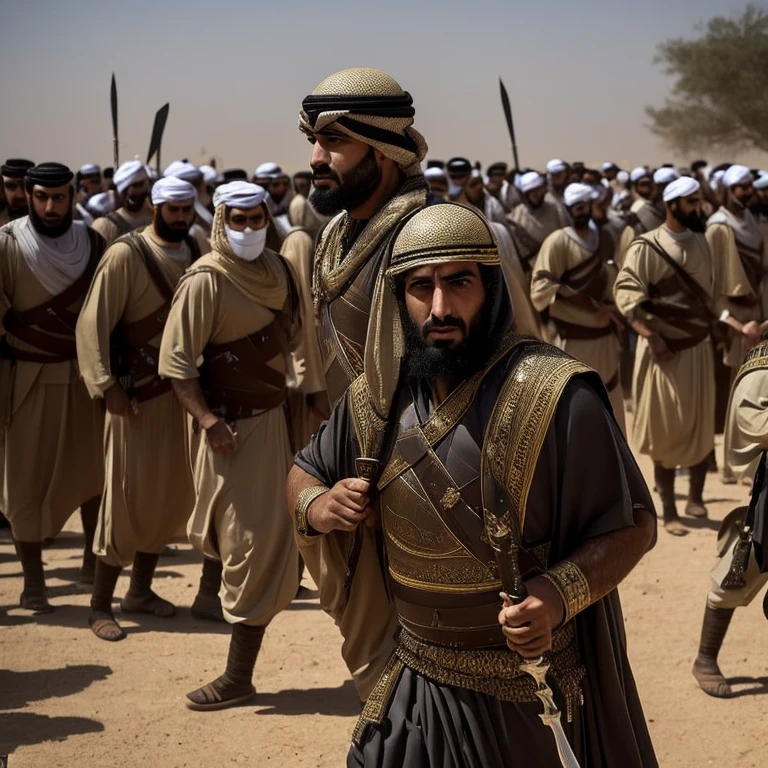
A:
(169, 344)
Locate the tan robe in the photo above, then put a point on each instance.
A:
(539, 223)
(527, 320)
(240, 514)
(148, 493)
(109, 230)
(559, 254)
(52, 428)
(746, 433)
(674, 402)
(302, 214)
(731, 282)
(307, 362)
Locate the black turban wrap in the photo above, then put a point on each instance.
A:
(15, 168)
(49, 175)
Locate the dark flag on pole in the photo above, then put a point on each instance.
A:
(510, 125)
(157, 135)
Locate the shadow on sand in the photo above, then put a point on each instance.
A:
(341, 702)
(20, 729)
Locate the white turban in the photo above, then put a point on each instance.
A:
(239, 194)
(210, 174)
(579, 193)
(737, 174)
(129, 173)
(90, 169)
(435, 173)
(101, 204)
(638, 173)
(171, 189)
(556, 166)
(268, 171)
(665, 175)
(715, 179)
(761, 182)
(681, 187)
(530, 180)
(183, 170)
(608, 166)
(622, 177)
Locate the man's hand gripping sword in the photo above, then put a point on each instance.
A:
(502, 535)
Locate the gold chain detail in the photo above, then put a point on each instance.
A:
(569, 580)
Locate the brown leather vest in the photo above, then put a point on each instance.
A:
(50, 327)
(237, 381)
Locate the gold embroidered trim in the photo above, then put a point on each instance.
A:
(428, 578)
(569, 580)
(756, 358)
(368, 425)
(494, 671)
(334, 269)
(521, 418)
(303, 501)
(378, 700)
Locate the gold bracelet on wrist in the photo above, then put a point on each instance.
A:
(572, 585)
(304, 499)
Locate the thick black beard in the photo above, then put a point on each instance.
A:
(581, 222)
(534, 206)
(16, 213)
(453, 361)
(354, 189)
(135, 204)
(57, 230)
(166, 232)
(692, 221)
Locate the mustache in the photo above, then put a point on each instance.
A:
(325, 172)
(449, 321)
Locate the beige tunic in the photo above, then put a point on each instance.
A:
(148, 493)
(674, 402)
(746, 431)
(526, 318)
(240, 514)
(307, 362)
(110, 231)
(302, 214)
(559, 254)
(52, 428)
(731, 282)
(539, 222)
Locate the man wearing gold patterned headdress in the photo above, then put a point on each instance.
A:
(366, 173)
(473, 417)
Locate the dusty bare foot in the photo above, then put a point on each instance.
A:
(150, 603)
(105, 626)
(710, 678)
(219, 695)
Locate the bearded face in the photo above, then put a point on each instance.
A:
(344, 190)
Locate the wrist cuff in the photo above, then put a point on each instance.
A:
(304, 499)
(568, 579)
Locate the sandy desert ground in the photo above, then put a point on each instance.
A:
(68, 699)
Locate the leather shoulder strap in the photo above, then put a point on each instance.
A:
(690, 286)
(137, 242)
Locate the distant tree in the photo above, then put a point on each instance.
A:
(720, 97)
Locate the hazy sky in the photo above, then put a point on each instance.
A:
(579, 74)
